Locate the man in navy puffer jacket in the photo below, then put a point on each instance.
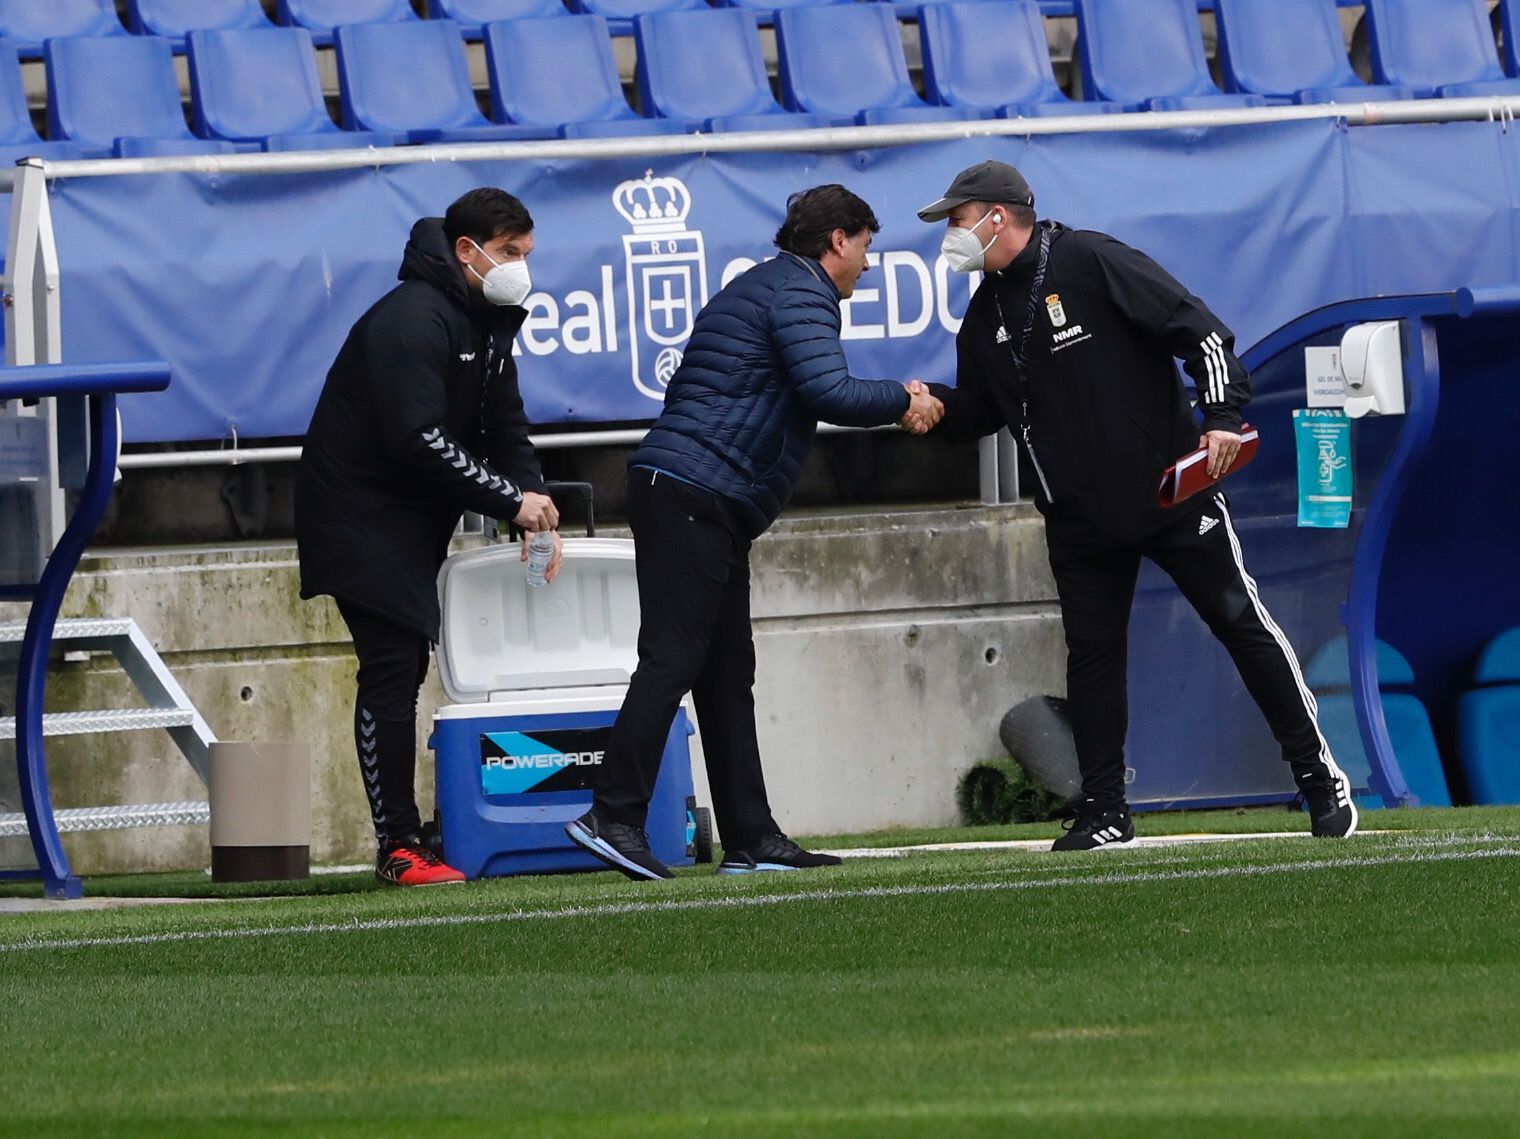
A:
(763, 366)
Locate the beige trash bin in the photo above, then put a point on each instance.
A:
(260, 812)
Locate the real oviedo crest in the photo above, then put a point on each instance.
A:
(1053, 307)
(667, 276)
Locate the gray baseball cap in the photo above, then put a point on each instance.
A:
(989, 181)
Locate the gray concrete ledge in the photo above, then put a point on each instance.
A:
(889, 646)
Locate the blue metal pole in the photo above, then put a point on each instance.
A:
(1367, 566)
(31, 682)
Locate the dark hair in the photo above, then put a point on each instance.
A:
(485, 213)
(813, 215)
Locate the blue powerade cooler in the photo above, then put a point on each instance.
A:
(536, 677)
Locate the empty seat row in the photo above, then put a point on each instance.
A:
(408, 81)
(554, 77)
(1150, 56)
(31, 22)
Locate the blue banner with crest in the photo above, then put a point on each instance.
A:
(247, 284)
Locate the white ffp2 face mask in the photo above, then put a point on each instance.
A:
(962, 251)
(508, 282)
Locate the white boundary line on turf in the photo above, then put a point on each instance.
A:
(1035, 844)
(1141, 842)
(747, 901)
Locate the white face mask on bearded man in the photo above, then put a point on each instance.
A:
(507, 283)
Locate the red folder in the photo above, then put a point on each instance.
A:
(1189, 474)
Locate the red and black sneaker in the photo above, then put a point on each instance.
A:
(412, 864)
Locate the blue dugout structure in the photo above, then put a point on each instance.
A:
(91, 388)
(1427, 565)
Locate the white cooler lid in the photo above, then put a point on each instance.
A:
(499, 635)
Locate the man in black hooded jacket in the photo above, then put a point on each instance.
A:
(420, 420)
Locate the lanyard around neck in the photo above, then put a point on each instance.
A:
(1020, 349)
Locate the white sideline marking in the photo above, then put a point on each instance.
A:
(1038, 844)
(53, 906)
(1035, 844)
(1141, 842)
(748, 901)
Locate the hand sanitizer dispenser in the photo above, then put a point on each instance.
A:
(1372, 361)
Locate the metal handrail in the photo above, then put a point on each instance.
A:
(98, 385)
(1490, 108)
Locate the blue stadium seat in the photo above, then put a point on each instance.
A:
(1149, 57)
(1488, 719)
(1290, 51)
(18, 137)
(910, 9)
(120, 94)
(1438, 47)
(473, 15)
(621, 14)
(992, 57)
(705, 67)
(177, 18)
(28, 23)
(413, 79)
(559, 72)
(260, 85)
(765, 10)
(872, 87)
(1509, 28)
(1414, 743)
(320, 17)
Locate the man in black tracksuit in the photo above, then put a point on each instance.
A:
(420, 420)
(1070, 340)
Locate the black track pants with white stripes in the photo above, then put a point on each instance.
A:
(1201, 553)
(393, 662)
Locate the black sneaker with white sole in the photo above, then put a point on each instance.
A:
(1327, 798)
(773, 852)
(620, 846)
(1097, 827)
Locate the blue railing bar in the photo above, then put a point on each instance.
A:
(1463, 302)
(37, 381)
(1342, 313)
(1492, 299)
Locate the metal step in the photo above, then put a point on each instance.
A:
(104, 720)
(170, 708)
(12, 632)
(115, 818)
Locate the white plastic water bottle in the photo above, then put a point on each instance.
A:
(540, 554)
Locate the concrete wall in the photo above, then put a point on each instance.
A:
(889, 646)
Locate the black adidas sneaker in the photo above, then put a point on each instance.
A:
(774, 852)
(620, 846)
(1327, 798)
(1096, 827)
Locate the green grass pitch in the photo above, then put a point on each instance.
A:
(1267, 987)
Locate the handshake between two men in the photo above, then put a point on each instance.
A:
(924, 409)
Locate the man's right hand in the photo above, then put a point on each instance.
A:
(924, 410)
(537, 513)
